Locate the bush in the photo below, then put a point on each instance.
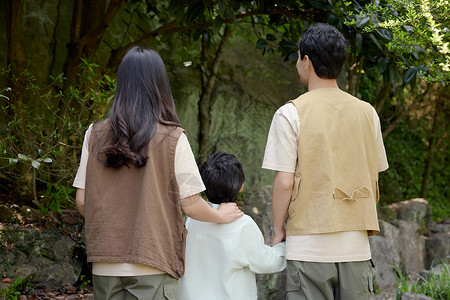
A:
(40, 140)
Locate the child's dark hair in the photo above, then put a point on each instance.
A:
(326, 47)
(223, 177)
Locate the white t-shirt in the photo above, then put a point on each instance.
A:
(281, 155)
(189, 181)
(222, 259)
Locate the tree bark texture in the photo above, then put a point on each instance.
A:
(89, 24)
(204, 104)
(16, 56)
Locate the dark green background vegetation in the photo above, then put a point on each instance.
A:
(231, 65)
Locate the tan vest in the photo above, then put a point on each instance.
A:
(133, 215)
(336, 186)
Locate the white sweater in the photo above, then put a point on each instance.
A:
(222, 259)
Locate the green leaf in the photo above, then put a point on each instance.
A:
(193, 12)
(291, 56)
(362, 22)
(47, 160)
(271, 37)
(382, 65)
(40, 152)
(386, 34)
(286, 44)
(375, 40)
(35, 164)
(321, 4)
(261, 43)
(359, 41)
(218, 21)
(393, 73)
(22, 157)
(13, 161)
(409, 74)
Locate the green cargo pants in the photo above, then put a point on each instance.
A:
(329, 281)
(158, 287)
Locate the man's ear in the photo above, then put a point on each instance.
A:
(242, 187)
(308, 62)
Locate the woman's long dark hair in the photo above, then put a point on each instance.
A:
(143, 99)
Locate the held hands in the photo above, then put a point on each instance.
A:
(278, 236)
(229, 212)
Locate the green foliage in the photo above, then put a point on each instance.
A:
(18, 287)
(56, 194)
(40, 140)
(436, 286)
(420, 35)
(84, 283)
(12, 292)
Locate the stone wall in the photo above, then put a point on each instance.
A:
(54, 259)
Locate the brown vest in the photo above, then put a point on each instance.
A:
(133, 215)
(336, 186)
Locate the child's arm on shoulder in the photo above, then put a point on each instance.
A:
(197, 208)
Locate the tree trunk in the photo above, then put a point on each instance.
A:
(16, 56)
(204, 104)
(382, 96)
(89, 23)
(430, 151)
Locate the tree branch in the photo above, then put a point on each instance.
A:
(171, 27)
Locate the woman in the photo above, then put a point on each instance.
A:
(137, 175)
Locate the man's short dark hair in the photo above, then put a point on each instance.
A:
(223, 177)
(326, 47)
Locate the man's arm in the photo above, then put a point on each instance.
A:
(281, 197)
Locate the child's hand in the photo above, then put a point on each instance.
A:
(229, 212)
(278, 237)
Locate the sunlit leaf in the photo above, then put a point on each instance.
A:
(35, 164)
(22, 157)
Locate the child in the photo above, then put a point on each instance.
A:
(137, 175)
(326, 147)
(222, 259)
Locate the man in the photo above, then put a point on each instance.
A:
(327, 149)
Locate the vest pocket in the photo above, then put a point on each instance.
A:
(295, 190)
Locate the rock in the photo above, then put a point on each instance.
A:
(385, 253)
(411, 296)
(414, 210)
(70, 216)
(6, 215)
(46, 256)
(24, 271)
(438, 244)
(412, 251)
(397, 245)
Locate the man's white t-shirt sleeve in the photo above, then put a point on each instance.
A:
(283, 131)
(381, 152)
